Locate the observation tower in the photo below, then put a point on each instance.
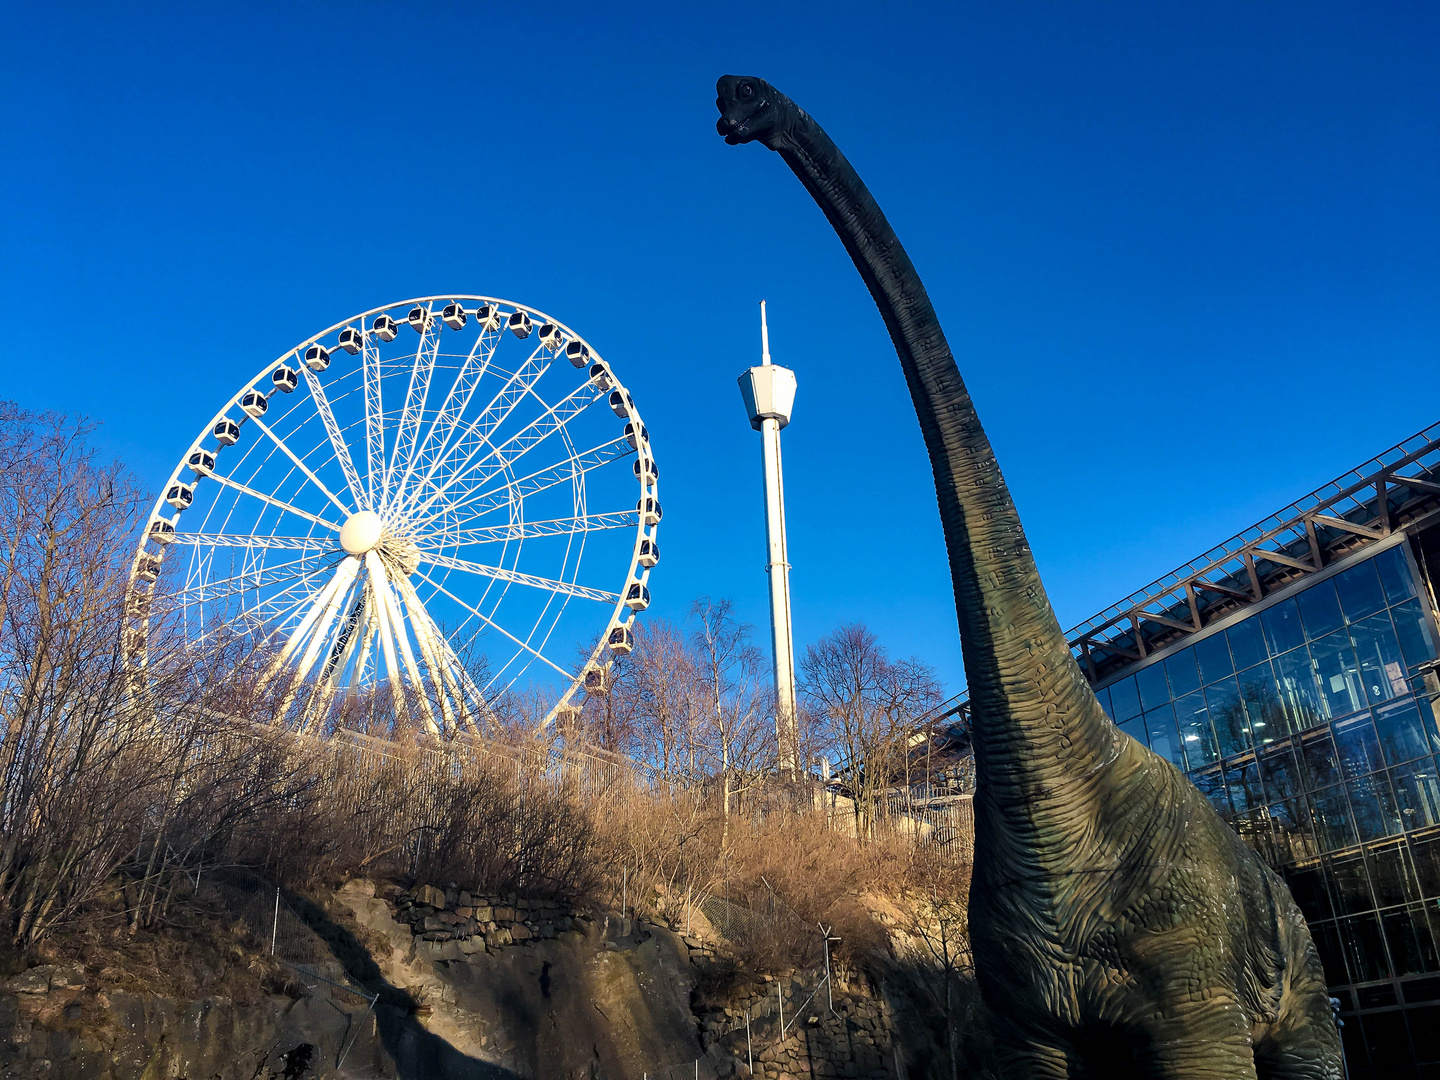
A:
(769, 393)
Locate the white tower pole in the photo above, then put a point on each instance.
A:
(769, 393)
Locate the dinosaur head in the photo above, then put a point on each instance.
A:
(752, 110)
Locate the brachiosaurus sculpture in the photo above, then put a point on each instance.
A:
(1120, 928)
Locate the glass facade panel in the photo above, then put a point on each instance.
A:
(1320, 610)
(1373, 805)
(1247, 793)
(1280, 772)
(1154, 690)
(1267, 719)
(1427, 866)
(1164, 739)
(1213, 658)
(1125, 699)
(1227, 716)
(1351, 884)
(1211, 783)
(1359, 590)
(1418, 794)
(1247, 644)
(1366, 948)
(1283, 630)
(1402, 732)
(1330, 810)
(1332, 955)
(1413, 630)
(1321, 760)
(1411, 945)
(1182, 672)
(1198, 738)
(1382, 671)
(1299, 694)
(1338, 673)
(1391, 876)
(1358, 746)
(1395, 575)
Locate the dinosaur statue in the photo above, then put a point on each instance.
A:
(1120, 928)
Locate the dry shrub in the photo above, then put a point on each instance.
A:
(502, 833)
(817, 874)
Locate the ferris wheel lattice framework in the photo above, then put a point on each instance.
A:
(424, 502)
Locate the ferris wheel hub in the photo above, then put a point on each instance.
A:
(361, 532)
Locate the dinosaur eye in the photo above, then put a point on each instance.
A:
(747, 90)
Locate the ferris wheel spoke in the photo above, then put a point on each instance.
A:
(374, 421)
(426, 354)
(256, 578)
(496, 626)
(278, 504)
(482, 503)
(551, 420)
(457, 400)
(499, 573)
(244, 540)
(346, 510)
(337, 440)
(525, 530)
(476, 435)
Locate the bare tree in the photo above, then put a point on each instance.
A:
(736, 697)
(870, 705)
(665, 697)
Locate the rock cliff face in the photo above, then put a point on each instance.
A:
(462, 987)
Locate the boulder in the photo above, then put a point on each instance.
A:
(430, 896)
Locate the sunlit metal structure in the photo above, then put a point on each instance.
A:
(769, 394)
(417, 499)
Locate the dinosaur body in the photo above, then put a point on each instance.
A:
(1120, 928)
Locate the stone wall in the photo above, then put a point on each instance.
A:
(847, 1034)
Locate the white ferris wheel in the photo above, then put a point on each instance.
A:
(422, 503)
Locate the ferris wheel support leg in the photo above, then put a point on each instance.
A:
(301, 632)
(339, 659)
(344, 578)
(407, 655)
(438, 658)
(367, 642)
(378, 582)
(425, 635)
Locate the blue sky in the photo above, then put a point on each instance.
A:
(1188, 255)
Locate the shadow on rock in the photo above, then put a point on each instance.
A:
(417, 1053)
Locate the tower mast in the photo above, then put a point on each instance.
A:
(769, 393)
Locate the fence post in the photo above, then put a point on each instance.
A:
(275, 925)
(780, 994)
(749, 1050)
(624, 891)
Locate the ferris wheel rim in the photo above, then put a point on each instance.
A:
(621, 615)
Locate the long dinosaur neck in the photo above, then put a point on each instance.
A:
(1039, 729)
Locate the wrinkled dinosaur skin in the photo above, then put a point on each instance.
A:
(1120, 928)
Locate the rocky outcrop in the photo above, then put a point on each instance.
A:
(434, 983)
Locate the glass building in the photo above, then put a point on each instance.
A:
(1290, 673)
